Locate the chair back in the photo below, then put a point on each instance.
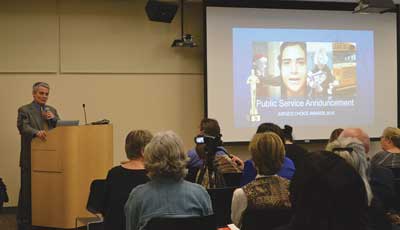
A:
(191, 175)
(266, 219)
(396, 182)
(3, 194)
(232, 179)
(221, 199)
(95, 203)
(182, 223)
(396, 172)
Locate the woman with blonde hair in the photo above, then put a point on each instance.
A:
(390, 155)
(268, 190)
(167, 193)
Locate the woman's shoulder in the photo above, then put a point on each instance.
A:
(379, 155)
(115, 170)
(193, 187)
(121, 171)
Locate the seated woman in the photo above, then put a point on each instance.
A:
(288, 167)
(268, 190)
(167, 193)
(122, 179)
(390, 143)
(327, 195)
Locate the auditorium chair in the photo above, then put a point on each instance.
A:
(232, 179)
(221, 199)
(396, 174)
(94, 205)
(266, 219)
(182, 223)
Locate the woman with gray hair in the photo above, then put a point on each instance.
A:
(167, 194)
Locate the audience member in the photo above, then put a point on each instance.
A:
(209, 127)
(122, 179)
(390, 155)
(353, 151)
(167, 193)
(288, 167)
(327, 194)
(358, 134)
(293, 151)
(268, 190)
(223, 161)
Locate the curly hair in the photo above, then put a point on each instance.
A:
(164, 156)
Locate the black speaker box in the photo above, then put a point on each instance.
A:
(161, 11)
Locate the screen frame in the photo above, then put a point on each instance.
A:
(297, 5)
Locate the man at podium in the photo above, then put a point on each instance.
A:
(34, 120)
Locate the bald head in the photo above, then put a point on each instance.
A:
(358, 134)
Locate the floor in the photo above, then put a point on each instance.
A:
(8, 221)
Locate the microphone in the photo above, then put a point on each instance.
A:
(84, 112)
(46, 109)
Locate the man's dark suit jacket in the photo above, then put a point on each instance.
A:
(30, 122)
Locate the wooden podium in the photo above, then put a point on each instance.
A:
(63, 167)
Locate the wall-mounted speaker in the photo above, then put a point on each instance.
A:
(161, 11)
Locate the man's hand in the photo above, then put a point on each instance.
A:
(238, 162)
(49, 115)
(42, 135)
(394, 218)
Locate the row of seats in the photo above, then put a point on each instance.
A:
(221, 199)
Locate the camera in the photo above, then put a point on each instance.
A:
(208, 140)
(199, 140)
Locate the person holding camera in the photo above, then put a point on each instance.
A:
(210, 155)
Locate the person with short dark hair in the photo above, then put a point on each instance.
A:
(327, 194)
(378, 181)
(293, 151)
(123, 178)
(209, 127)
(34, 120)
(223, 161)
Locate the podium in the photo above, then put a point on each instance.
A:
(62, 169)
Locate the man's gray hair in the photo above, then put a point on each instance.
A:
(353, 151)
(359, 134)
(164, 156)
(36, 86)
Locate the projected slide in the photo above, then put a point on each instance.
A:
(302, 77)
